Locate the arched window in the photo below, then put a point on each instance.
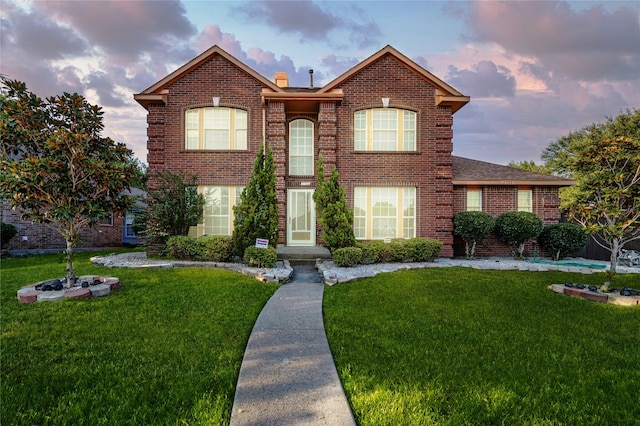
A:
(384, 129)
(301, 148)
(216, 128)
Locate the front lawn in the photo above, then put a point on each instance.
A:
(166, 349)
(463, 346)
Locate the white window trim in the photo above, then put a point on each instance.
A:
(400, 130)
(529, 206)
(234, 197)
(297, 156)
(234, 143)
(471, 208)
(401, 205)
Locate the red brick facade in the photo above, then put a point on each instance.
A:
(35, 236)
(270, 109)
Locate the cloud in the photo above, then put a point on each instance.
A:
(338, 65)
(311, 22)
(590, 45)
(38, 37)
(123, 30)
(485, 80)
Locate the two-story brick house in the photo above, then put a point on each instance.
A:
(386, 124)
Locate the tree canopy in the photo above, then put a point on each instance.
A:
(604, 159)
(57, 169)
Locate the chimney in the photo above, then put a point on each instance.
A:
(310, 78)
(281, 79)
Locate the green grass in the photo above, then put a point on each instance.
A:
(164, 350)
(455, 346)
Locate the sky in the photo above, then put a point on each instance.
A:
(535, 70)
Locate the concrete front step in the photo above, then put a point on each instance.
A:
(303, 255)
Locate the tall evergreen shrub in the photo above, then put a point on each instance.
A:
(516, 228)
(257, 214)
(336, 219)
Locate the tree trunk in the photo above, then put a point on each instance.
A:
(473, 250)
(71, 273)
(613, 264)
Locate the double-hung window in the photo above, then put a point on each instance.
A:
(383, 212)
(385, 129)
(525, 200)
(218, 209)
(474, 200)
(216, 129)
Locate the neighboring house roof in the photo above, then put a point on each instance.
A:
(474, 172)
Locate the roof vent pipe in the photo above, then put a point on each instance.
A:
(310, 78)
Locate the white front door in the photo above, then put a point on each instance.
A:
(301, 218)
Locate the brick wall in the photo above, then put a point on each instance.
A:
(428, 169)
(501, 199)
(42, 237)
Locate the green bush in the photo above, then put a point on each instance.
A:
(370, 251)
(347, 256)
(562, 239)
(516, 228)
(261, 258)
(423, 249)
(216, 248)
(184, 248)
(400, 251)
(472, 227)
(7, 231)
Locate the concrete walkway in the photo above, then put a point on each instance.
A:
(287, 375)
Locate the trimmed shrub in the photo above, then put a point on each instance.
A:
(400, 251)
(261, 258)
(562, 239)
(423, 249)
(347, 256)
(184, 248)
(472, 227)
(370, 251)
(516, 228)
(7, 232)
(216, 248)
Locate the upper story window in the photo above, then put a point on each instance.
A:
(525, 200)
(216, 128)
(385, 129)
(474, 200)
(301, 148)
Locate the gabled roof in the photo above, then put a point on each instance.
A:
(445, 94)
(157, 92)
(474, 172)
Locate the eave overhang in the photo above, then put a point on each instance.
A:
(514, 182)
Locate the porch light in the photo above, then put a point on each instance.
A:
(385, 102)
(216, 101)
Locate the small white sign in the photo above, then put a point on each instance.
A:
(387, 240)
(262, 243)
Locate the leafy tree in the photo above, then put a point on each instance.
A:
(562, 239)
(516, 228)
(257, 214)
(604, 159)
(472, 226)
(336, 219)
(56, 167)
(530, 166)
(173, 206)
